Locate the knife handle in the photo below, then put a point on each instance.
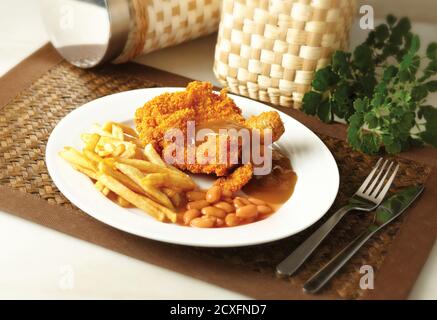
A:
(318, 280)
(304, 250)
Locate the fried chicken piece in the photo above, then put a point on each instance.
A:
(198, 103)
(173, 110)
(267, 120)
(237, 179)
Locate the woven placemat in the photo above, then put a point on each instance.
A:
(27, 121)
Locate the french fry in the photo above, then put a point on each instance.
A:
(130, 151)
(74, 156)
(137, 176)
(92, 156)
(174, 196)
(99, 186)
(126, 129)
(104, 153)
(105, 191)
(109, 147)
(119, 150)
(117, 132)
(169, 180)
(153, 156)
(91, 142)
(149, 167)
(126, 138)
(90, 173)
(137, 200)
(85, 137)
(108, 170)
(107, 126)
(115, 158)
(100, 131)
(122, 202)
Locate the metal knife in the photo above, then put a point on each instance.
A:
(389, 210)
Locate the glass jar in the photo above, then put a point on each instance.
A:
(90, 32)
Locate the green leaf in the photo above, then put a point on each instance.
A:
(372, 120)
(431, 86)
(431, 51)
(353, 132)
(419, 92)
(389, 73)
(393, 146)
(406, 122)
(361, 105)
(370, 142)
(429, 136)
(363, 57)
(324, 111)
(340, 63)
(311, 101)
(342, 104)
(375, 90)
(391, 19)
(403, 26)
(430, 70)
(381, 32)
(324, 78)
(356, 120)
(415, 44)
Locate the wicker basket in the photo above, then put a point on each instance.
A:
(158, 24)
(269, 50)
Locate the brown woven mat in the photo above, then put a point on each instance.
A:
(27, 121)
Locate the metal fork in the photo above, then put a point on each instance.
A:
(369, 195)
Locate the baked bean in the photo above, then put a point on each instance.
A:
(264, 209)
(190, 215)
(213, 211)
(256, 201)
(203, 222)
(196, 195)
(227, 194)
(199, 204)
(213, 194)
(219, 222)
(238, 203)
(229, 200)
(247, 212)
(232, 220)
(243, 200)
(227, 207)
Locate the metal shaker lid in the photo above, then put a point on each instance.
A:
(87, 32)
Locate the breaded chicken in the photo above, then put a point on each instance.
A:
(200, 104)
(173, 110)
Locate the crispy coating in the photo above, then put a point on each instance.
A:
(173, 110)
(237, 179)
(267, 120)
(198, 103)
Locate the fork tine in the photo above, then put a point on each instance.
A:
(387, 185)
(381, 182)
(375, 181)
(369, 177)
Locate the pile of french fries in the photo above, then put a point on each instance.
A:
(129, 173)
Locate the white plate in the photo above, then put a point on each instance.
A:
(315, 191)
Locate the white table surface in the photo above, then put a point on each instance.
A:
(38, 263)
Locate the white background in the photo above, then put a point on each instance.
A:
(36, 262)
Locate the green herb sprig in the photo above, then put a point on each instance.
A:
(379, 90)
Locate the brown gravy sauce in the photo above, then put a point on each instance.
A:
(275, 188)
(278, 186)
